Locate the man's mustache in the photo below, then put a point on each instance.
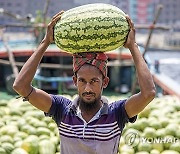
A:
(88, 93)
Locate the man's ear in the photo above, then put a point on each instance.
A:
(105, 82)
(75, 80)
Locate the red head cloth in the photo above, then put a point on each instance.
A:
(93, 58)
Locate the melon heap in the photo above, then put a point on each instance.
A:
(25, 130)
(93, 27)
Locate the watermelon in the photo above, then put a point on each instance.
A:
(8, 147)
(46, 147)
(170, 152)
(91, 28)
(2, 151)
(19, 151)
(43, 130)
(31, 144)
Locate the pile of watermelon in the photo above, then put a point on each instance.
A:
(156, 131)
(25, 130)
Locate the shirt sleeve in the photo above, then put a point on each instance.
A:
(58, 108)
(121, 114)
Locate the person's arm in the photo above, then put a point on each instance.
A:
(22, 84)
(136, 103)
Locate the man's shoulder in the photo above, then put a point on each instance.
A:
(117, 103)
(59, 99)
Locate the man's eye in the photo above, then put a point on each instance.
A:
(81, 80)
(93, 81)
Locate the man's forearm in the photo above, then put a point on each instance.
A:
(22, 83)
(144, 76)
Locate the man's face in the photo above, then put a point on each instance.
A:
(90, 83)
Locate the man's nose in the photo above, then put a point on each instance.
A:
(88, 87)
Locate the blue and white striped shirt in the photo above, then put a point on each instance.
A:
(101, 135)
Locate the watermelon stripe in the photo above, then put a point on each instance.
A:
(96, 27)
(96, 47)
(93, 36)
(100, 19)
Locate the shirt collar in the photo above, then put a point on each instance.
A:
(104, 109)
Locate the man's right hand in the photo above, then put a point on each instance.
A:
(49, 37)
(130, 42)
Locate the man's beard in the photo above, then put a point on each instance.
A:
(90, 105)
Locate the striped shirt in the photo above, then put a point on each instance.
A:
(100, 135)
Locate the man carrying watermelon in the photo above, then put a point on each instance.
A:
(88, 124)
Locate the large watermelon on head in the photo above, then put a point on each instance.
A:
(94, 27)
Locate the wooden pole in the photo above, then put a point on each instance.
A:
(11, 59)
(147, 26)
(159, 8)
(45, 11)
(41, 25)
